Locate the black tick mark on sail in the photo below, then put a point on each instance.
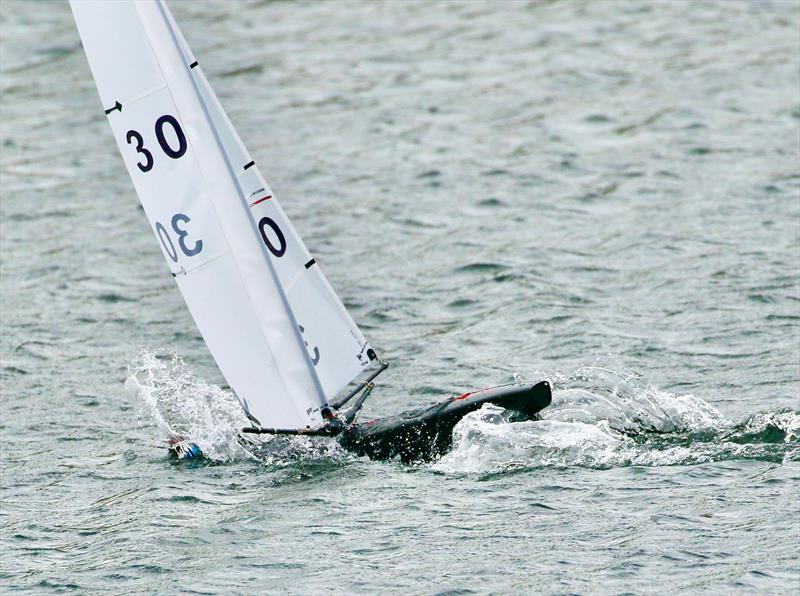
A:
(117, 106)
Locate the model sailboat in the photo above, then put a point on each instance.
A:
(277, 330)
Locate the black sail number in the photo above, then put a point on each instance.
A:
(173, 153)
(279, 249)
(182, 233)
(165, 144)
(148, 157)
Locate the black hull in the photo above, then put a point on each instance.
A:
(425, 433)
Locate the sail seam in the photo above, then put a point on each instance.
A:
(184, 271)
(146, 94)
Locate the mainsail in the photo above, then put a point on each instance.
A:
(278, 332)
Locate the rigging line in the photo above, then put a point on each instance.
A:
(319, 432)
(351, 414)
(362, 385)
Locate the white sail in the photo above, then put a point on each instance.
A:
(278, 332)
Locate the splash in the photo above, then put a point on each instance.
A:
(598, 419)
(175, 403)
(603, 419)
(183, 406)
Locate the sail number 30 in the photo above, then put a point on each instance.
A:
(145, 164)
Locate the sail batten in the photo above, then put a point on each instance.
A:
(280, 335)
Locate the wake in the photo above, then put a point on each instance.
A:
(598, 419)
(619, 422)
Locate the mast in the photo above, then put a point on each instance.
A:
(169, 22)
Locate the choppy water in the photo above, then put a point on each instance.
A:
(602, 194)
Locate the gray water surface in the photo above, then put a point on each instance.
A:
(603, 194)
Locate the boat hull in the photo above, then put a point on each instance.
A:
(420, 434)
(425, 433)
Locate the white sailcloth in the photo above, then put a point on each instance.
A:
(277, 330)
